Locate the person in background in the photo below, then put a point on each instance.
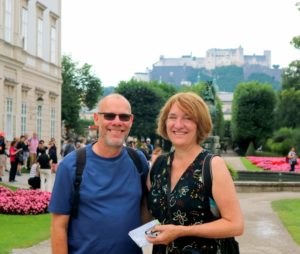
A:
(20, 156)
(52, 152)
(43, 161)
(110, 191)
(176, 196)
(132, 144)
(34, 179)
(13, 151)
(26, 152)
(2, 155)
(41, 147)
(149, 145)
(144, 148)
(33, 144)
(69, 147)
(156, 152)
(292, 156)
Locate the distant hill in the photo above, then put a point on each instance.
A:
(226, 77)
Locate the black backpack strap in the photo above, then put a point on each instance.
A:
(133, 154)
(80, 164)
(207, 175)
(158, 162)
(136, 159)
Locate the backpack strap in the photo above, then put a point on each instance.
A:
(207, 179)
(133, 154)
(207, 175)
(80, 164)
(136, 159)
(157, 163)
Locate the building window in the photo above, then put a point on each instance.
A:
(8, 20)
(40, 38)
(39, 121)
(25, 28)
(23, 118)
(9, 119)
(53, 122)
(53, 45)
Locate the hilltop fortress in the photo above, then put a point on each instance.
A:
(218, 57)
(189, 69)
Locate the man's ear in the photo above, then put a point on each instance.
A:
(96, 119)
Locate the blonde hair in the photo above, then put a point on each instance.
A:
(194, 106)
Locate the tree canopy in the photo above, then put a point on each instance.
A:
(80, 88)
(252, 114)
(145, 104)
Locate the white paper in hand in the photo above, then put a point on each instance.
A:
(138, 234)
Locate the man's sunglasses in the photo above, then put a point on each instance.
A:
(112, 116)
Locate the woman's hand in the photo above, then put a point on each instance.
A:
(166, 234)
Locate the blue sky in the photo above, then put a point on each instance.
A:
(119, 38)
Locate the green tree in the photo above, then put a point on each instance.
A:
(291, 76)
(145, 103)
(70, 103)
(82, 127)
(90, 85)
(289, 96)
(281, 141)
(79, 88)
(288, 114)
(252, 114)
(164, 90)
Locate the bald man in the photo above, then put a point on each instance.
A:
(110, 191)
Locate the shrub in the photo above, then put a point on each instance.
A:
(23, 201)
(250, 150)
(282, 141)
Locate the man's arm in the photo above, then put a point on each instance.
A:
(59, 233)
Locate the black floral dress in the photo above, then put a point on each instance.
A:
(186, 205)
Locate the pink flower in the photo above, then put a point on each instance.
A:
(23, 201)
(277, 164)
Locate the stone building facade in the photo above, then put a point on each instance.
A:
(30, 68)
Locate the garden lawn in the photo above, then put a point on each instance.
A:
(288, 211)
(22, 231)
(249, 165)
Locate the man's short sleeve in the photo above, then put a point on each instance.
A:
(63, 188)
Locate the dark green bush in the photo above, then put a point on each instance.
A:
(251, 150)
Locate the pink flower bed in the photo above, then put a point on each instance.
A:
(273, 163)
(23, 201)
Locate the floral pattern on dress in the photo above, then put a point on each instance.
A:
(185, 205)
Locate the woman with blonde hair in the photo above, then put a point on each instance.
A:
(177, 197)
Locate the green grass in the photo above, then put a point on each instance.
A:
(249, 165)
(232, 171)
(22, 231)
(288, 211)
(9, 186)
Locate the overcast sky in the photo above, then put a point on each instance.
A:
(121, 37)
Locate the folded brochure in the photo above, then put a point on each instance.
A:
(138, 234)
